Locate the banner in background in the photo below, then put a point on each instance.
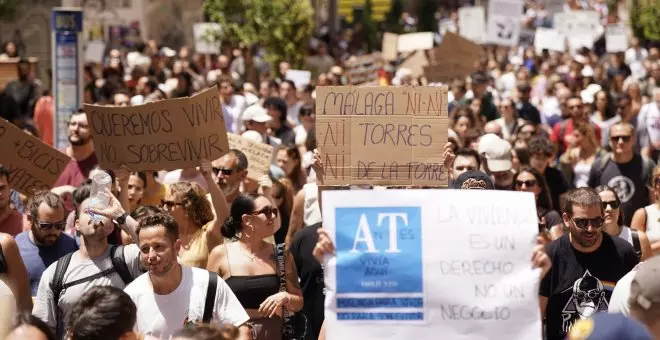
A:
(472, 23)
(504, 22)
(449, 262)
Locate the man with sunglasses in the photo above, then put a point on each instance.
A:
(45, 242)
(586, 264)
(624, 170)
(229, 171)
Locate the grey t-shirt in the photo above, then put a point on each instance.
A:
(44, 306)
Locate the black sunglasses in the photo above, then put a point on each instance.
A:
(613, 204)
(624, 138)
(169, 204)
(583, 223)
(268, 211)
(530, 183)
(226, 172)
(47, 225)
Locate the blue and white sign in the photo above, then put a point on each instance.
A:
(66, 26)
(430, 264)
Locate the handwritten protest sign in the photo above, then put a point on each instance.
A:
(258, 155)
(455, 57)
(579, 23)
(300, 78)
(164, 135)
(616, 38)
(382, 135)
(32, 165)
(449, 262)
(415, 41)
(472, 23)
(363, 68)
(549, 39)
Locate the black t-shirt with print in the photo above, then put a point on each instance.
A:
(580, 284)
(310, 273)
(628, 182)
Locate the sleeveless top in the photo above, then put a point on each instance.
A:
(312, 211)
(251, 291)
(652, 222)
(581, 175)
(197, 254)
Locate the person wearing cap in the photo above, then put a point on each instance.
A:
(256, 119)
(586, 264)
(644, 298)
(473, 180)
(603, 326)
(496, 153)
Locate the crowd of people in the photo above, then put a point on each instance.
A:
(208, 253)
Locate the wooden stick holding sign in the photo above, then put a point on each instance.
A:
(382, 135)
(165, 135)
(258, 155)
(32, 165)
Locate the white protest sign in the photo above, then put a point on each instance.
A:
(299, 77)
(454, 263)
(204, 41)
(412, 42)
(95, 51)
(504, 22)
(616, 39)
(549, 39)
(579, 23)
(472, 23)
(576, 42)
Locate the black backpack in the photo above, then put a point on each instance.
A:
(119, 266)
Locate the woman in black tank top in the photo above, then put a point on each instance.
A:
(250, 266)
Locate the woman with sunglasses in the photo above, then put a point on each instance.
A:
(647, 219)
(250, 265)
(530, 180)
(613, 224)
(199, 227)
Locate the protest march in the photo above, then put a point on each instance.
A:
(330, 170)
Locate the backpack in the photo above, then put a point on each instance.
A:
(119, 266)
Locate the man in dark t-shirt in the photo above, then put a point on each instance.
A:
(624, 170)
(310, 273)
(586, 264)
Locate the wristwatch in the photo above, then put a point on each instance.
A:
(121, 219)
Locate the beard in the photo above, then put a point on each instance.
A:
(229, 189)
(79, 142)
(48, 240)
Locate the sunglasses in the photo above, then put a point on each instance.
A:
(169, 204)
(226, 172)
(624, 138)
(466, 168)
(530, 183)
(268, 211)
(583, 223)
(47, 225)
(613, 204)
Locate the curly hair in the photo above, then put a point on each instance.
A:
(193, 198)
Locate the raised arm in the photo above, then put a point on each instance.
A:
(218, 197)
(16, 273)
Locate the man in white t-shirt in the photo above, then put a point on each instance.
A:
(171, 296)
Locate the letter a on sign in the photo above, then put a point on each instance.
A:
(363, 234)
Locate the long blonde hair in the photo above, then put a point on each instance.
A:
(193, 198)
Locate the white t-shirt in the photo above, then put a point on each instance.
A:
(621, 294)
(161, 316)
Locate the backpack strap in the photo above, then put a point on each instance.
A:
(636, 244)
(119, 264)
(57, 284)
(3, 261)
(210, 297)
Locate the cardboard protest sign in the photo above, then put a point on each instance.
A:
(416, 63)
(504, 22)
(258, 155)
(204, 41)
(472, 23)
(616, 39)
(390, 41)
(32, 164)
(449, 262)
(165, 135)
(363, 69)
(382, 135)
(301, 78)
(414, 42)
(455, 57)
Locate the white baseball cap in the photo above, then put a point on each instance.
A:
(256, 113)
(497, 152)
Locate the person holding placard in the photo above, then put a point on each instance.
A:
(587, 263)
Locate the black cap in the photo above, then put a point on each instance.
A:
(474, 180)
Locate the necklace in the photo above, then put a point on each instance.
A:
(251, 256)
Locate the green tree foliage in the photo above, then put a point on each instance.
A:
(282, 27)
(426, 16)
(392, 18)
(8, 7)
(369, 28)
(644, 17)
